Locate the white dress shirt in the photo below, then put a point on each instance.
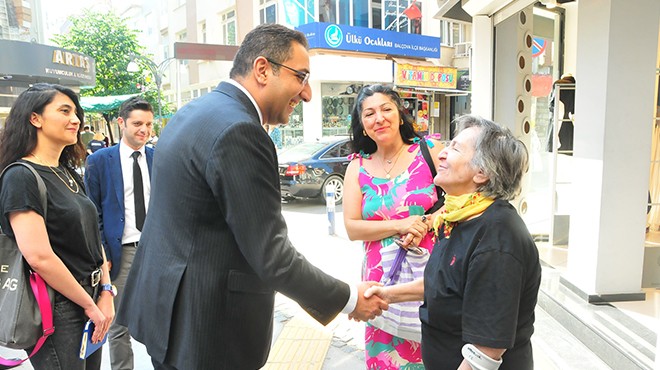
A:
(131, 233)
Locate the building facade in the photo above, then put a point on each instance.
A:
(593, 205)
(338, 71)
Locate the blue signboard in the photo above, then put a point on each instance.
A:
(370, 40)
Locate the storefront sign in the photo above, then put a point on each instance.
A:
(370, 40)
(463, 81)
(30, 62)
(425, 76)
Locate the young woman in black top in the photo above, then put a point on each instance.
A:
(42, 128)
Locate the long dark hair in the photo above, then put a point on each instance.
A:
(361, 142)
(19, 137)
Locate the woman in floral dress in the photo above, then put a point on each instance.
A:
(388, 186)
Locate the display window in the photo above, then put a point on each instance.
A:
(416, 105)
(337, 103)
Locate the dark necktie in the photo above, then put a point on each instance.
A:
(138, 192)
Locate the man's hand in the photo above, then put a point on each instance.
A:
(367, 308)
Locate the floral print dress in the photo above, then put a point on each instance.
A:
(390, 199)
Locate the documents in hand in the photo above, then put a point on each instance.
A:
(86, 345)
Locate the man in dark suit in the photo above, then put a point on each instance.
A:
(215, 246)
(117, 181)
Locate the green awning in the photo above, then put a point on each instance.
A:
(102, 104)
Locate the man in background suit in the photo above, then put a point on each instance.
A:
(215, 246)
(113, 178)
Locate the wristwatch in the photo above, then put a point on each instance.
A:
(110, 288)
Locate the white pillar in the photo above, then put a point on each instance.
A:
(312, 113)
(613, 108)
(482, 66)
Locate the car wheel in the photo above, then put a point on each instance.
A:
(338, 182)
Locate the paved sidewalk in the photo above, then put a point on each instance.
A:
(299, 342)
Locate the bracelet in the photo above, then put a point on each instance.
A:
(479, 360)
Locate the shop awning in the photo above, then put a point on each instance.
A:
(102, 104)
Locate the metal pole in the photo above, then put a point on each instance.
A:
(330, 207)
(160, 109)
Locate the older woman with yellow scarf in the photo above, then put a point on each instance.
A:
(481, 283)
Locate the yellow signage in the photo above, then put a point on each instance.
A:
(425, 76)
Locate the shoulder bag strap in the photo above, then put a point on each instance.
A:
(429, 161)
(38, 285)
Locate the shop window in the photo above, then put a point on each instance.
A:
(337, 114)
(292, 133)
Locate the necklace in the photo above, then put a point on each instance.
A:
(389, 161)
(70, 184)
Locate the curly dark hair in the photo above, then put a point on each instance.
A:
(361, 142)
(19, 137)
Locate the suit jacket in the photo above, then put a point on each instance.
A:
(215, 249)
(105, 187)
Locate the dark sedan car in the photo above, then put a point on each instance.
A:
(306, 168)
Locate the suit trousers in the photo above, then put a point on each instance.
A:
(121, 352)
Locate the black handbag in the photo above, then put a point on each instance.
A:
(429, 161)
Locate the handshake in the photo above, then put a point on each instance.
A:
(369, 303)
(373, 297)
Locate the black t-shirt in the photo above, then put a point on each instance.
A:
(481, 287)
(71, 219)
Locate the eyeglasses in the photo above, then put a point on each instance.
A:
(302, 76)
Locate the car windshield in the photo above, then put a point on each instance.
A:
(300, 152)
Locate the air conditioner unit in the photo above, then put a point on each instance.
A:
(462, 49)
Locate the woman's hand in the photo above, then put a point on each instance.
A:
(416, 231)
(101, 315)
(415, 225)
(380, 291)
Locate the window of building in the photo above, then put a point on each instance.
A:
(165, 44)
(267, 11)
(395, 18)
(229, 28)
(202, 32)
(328, 11)
(182, 37)
(452, 33)
(376, 14)
(360, 13)
(299, 12)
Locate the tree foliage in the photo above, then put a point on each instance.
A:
(106, 38)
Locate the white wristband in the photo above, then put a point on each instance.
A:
(479, 360)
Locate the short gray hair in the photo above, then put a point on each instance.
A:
(499, 155)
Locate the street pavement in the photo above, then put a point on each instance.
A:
(554, 347)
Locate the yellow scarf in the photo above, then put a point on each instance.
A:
(460, 208)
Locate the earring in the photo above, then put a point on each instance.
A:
(364, 132)
(401, 123)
